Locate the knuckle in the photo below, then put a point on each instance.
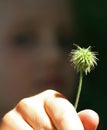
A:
(53, 93)
(8, 118)
(23, 104)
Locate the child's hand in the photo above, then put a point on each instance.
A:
(48, 110)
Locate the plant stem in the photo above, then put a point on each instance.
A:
(79, 90)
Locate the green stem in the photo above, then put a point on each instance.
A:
(79, 90)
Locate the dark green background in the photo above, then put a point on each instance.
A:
(92, 20)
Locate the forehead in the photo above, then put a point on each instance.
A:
(29, 12)
(34, 8)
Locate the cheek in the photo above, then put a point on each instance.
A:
(15, 72)
(70, 73)
(70, 79)
(20, 65)
(15, 79)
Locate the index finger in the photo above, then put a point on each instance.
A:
(62, 113)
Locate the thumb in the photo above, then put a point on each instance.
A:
(90, 119)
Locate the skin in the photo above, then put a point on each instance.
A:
(47, 111)
(34, 58)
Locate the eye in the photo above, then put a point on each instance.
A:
(23, 40)
(65, 43)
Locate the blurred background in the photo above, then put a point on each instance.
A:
(92, 20)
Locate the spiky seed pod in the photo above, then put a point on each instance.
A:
(83, 59)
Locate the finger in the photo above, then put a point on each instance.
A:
(62, 113)
(13, 121)
(90, 119)
(32, 110)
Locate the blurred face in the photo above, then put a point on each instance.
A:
(35, 39)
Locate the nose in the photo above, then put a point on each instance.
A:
(51, 55)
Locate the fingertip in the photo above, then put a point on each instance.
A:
(89, 118)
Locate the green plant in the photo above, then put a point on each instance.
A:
(84, 60)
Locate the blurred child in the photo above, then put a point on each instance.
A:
(35, 40)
